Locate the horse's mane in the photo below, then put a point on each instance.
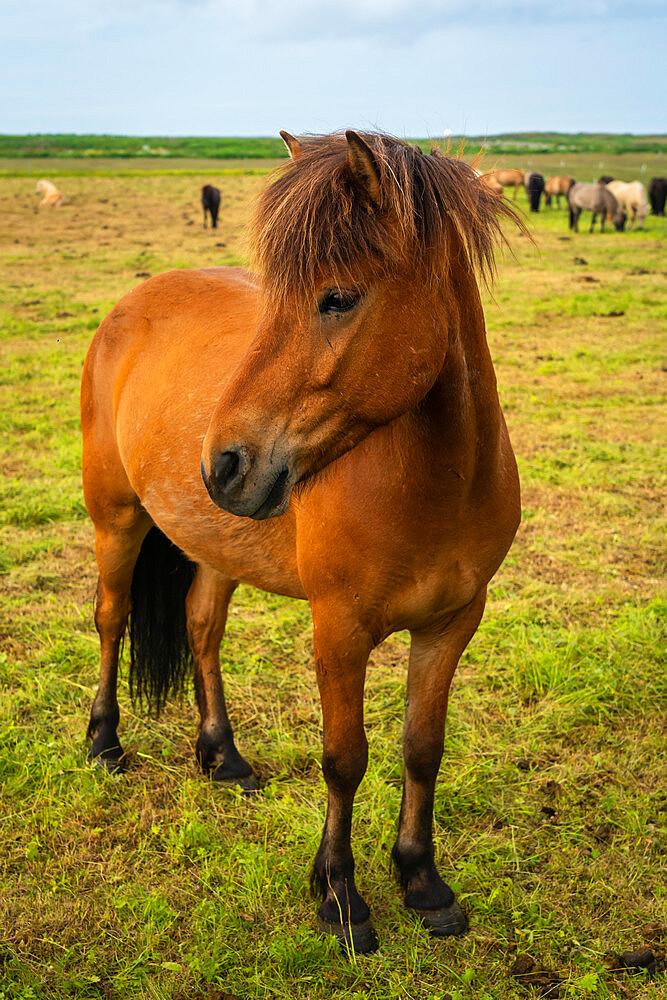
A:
(312, 218)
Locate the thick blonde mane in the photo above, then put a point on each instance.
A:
(314, 219)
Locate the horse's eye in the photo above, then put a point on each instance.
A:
(336, 301)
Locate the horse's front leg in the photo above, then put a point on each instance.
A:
(341, 653)
(206, 607)
(434, 655)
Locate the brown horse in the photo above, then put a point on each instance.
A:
(492, 183)
(353, 453)
(511, 177)
(555, 187)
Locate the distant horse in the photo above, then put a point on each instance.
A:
(508, 178)
(632, 199)
(52, 196)
(595, 198)
(605, 179)
(492, 182)
(354, 376)
(555, 187)
(657, 192)
(210, 200)
(534, 184)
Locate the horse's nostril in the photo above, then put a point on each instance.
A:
(225, 469)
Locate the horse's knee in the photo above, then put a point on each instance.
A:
(422, 757)
(344, 766)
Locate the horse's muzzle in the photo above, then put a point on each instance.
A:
(247, 486)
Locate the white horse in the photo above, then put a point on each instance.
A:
(632, 198)
(52, 196)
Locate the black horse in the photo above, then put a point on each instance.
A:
(210, 202)
(534, 184)
(657, 192)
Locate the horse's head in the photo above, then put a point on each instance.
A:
(359, 243)
(619, 218)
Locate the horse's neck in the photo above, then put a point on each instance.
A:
(467, 380)
(462, 411)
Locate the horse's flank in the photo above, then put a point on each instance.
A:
(557, 186)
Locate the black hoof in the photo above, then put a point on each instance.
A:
(247, 783)
(449, 921)
(357, 939)
(110, 765)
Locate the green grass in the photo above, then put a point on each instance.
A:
(271, 147)
(550, 809)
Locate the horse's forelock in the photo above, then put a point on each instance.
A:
(312, 219)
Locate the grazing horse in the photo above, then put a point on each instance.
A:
(210, 200)
(555, 187)
(492, 183)
(52, 196)
(605, 179)
(657, 192)
(508, 178)
(343, 408)
(534, 184)
(632, 199)
(598, 199)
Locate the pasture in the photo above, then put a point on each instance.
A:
(550, 808)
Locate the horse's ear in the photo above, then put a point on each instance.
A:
(362, 166)
(294, 147)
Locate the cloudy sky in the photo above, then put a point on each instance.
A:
(411, 67)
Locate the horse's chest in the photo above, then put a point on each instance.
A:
(399, 551)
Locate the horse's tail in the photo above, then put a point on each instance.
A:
(159, 651)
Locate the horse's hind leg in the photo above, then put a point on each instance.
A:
(117, 544)
(434, 656)
(206, 608)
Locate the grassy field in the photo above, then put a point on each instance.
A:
(550, 810)
(270, 147)
(585, 161)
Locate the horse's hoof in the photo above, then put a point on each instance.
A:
(449, 921)
(357, 939)
(110, 765)
(248, 783)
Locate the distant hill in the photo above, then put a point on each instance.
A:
(264, 147)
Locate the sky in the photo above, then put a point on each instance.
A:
(410, 67)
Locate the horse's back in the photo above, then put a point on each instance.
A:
(629, 194)
(593, 197)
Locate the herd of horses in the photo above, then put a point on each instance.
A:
(616, 201)
(325, 427)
